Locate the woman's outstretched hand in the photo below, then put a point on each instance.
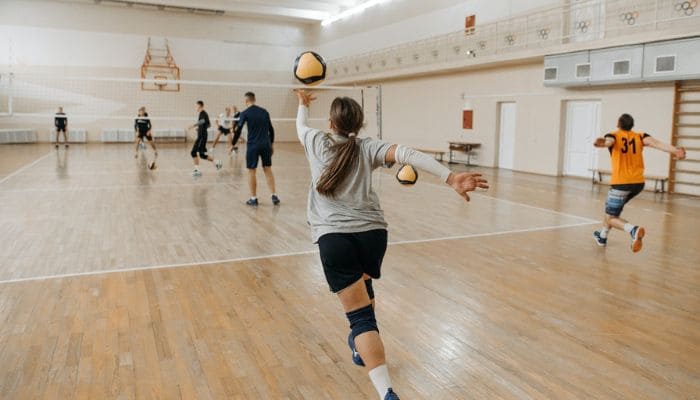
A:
(305, 98)
(466, 182)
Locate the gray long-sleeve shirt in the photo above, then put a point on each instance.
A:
(355, 208)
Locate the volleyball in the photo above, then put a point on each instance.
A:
(310, 68)
(407, 175)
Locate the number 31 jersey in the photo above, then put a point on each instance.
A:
(626, 157)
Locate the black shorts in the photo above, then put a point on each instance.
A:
(347, 256)
(253, 153)
(61, 129)
(225, 131)
(145, 135)
(200, 146)
(619, 195)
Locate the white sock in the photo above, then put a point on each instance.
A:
(381, 380)
(254, 198)
(604, 232)
(628, 227)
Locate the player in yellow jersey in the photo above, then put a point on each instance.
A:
(627, 180)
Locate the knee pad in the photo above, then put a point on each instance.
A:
(362, 320)
(370, 289)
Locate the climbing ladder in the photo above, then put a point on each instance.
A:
(684, 175)
(159, 68)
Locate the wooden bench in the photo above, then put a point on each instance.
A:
(438, 154)
(659, 181)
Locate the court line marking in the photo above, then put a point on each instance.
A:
(537, 208)
(22, 169)
(289, 254)
(477, 194)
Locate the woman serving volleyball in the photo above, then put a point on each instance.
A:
(348, 223)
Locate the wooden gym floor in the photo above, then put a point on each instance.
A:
(121, 283)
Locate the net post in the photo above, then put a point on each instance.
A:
(379, 111)
(9, 93)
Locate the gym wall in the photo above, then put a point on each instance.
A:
(207, 48)
(398, 22)
(426, 112)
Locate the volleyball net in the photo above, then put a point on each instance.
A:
(95, 103)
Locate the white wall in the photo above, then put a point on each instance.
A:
(401, 21)
(35, 46)
(426, 112)
(88, 40)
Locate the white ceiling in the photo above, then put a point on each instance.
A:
(306, 10)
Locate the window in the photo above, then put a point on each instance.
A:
(550, 74)
(621, 67)
(583, 71)
(665, 64)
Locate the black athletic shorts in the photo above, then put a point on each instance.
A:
(253, 153)
(347, 256)
(145, 135)
(200, 146)
(225, 131)
(60, 129)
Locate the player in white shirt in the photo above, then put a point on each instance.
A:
(225, 122)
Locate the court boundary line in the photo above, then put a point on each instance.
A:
(288, 254)
(480, 194)
(25, 167)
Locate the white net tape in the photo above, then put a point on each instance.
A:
(114, 102)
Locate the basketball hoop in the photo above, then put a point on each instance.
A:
(160, 81)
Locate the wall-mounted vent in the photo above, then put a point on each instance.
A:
(665, 64)
(621, 68)
(583, 71)
(550, 74)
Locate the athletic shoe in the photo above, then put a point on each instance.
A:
(601, 241)
(196, 173)
(219, 164)
(356, 359)
(252, 202)
(275, 199)
(390, 395)
(637, 234)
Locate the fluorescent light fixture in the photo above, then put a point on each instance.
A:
(352, 11)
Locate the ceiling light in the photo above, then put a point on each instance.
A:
(352, 11)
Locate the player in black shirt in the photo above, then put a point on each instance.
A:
(61, 123)
(199, 149)
(142, 126)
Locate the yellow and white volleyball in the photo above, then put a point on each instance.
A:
(310, 68)
(407, 175)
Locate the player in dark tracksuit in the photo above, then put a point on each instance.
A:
(261, 136)
(199, 149)
(61, 123)
(142, 127)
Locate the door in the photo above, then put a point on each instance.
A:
(506, 138)
(582, 127)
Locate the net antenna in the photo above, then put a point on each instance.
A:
(159, 71)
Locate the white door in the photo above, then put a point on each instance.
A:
(506, 140)
(582, 127)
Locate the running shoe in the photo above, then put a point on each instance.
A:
(601, 241)
(637, 234)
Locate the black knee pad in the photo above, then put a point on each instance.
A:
(362, 320)
(370, 289)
